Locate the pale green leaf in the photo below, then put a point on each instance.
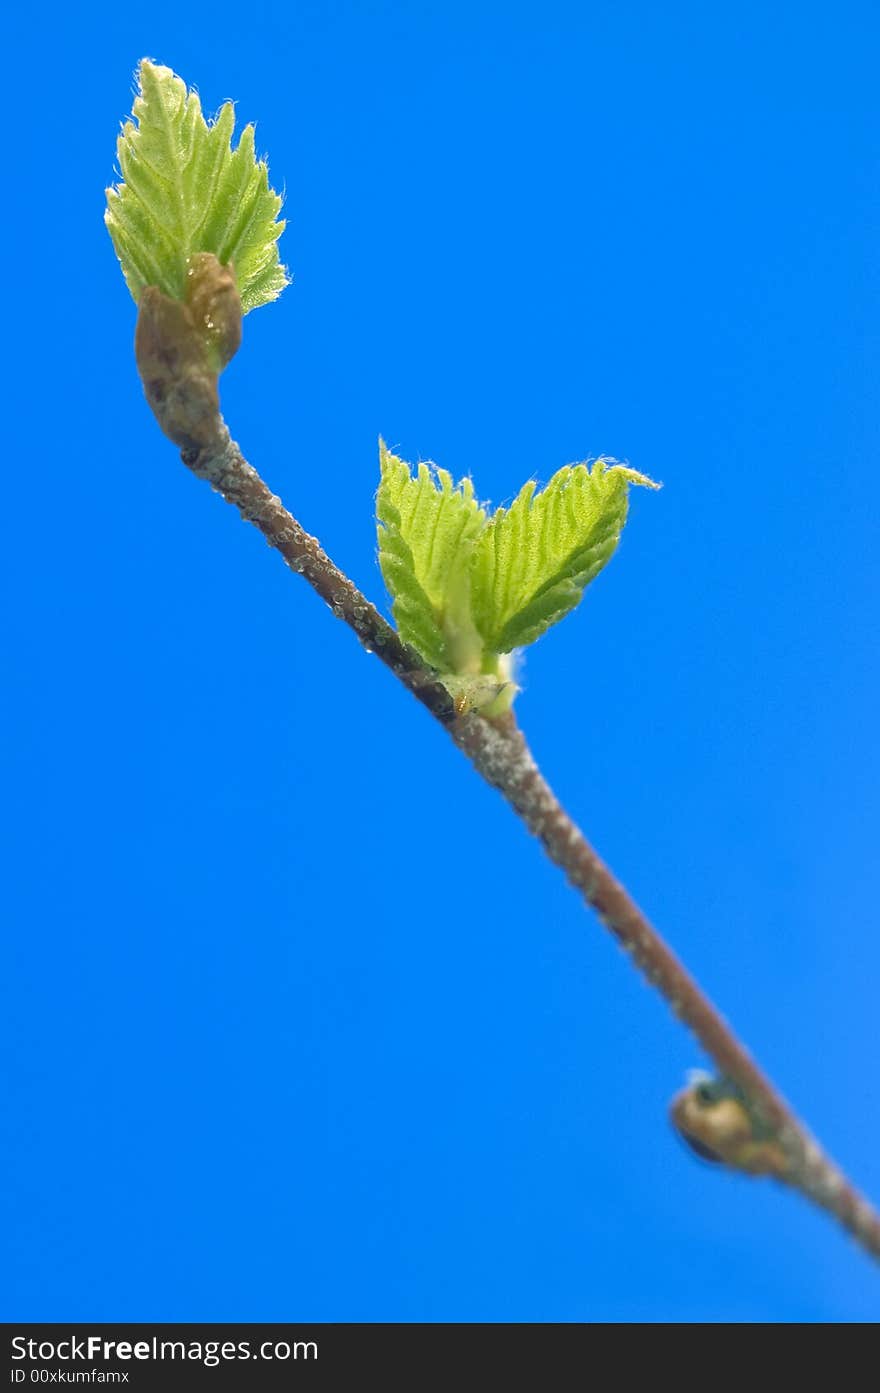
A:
(534, 559)
(427, 530)
(185, 189)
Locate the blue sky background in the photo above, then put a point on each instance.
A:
(297, 1023)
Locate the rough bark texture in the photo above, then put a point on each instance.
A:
(500, 753)
(753, 1131)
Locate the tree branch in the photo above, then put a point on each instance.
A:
(740, 1119)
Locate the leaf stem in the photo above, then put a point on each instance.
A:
(498, 751)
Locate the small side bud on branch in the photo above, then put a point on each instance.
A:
(714, 1118)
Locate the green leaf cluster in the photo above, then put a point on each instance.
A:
(185, 190)
(469, 588)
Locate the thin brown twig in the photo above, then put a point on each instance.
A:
(773, 1140)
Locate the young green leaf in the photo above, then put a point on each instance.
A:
(184, 190)
(534, 559)
(427, 531)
